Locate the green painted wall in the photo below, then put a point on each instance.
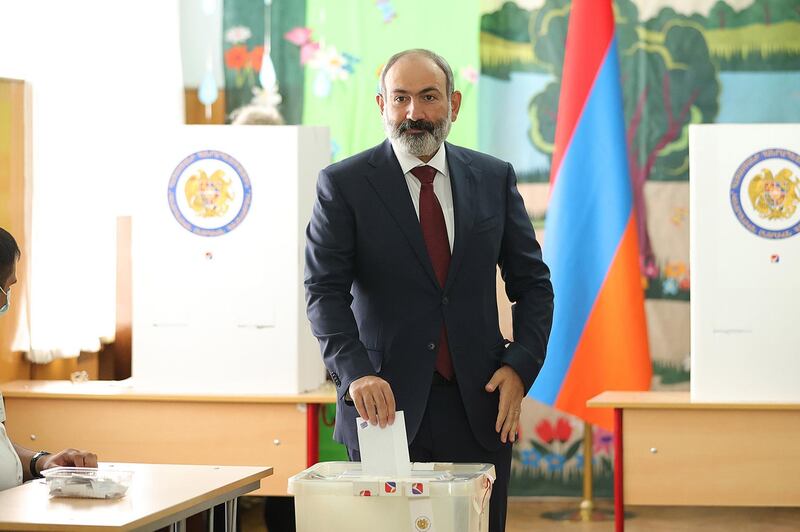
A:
(448, 27)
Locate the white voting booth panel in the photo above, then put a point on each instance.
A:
(217, 255)
(745, 257)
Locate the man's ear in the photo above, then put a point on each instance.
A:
(379, 101)
(455, 105)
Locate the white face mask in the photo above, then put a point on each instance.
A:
(4, 308)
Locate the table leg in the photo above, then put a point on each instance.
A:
(230, 515)
(211, 519)
(312, 434)
(619, 503)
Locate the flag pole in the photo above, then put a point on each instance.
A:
(587, 504)
(586, 510)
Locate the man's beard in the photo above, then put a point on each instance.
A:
(418, 144)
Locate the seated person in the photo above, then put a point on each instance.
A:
(18, 464)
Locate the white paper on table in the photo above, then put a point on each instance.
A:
(384, 451)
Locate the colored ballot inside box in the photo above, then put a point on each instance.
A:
(434, 497)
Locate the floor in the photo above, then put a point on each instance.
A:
(525, 514)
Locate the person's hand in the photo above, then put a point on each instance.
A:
(373, 399)
(69, 458)
(511, 393)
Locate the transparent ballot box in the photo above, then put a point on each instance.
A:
(436, 497)
(87, 482)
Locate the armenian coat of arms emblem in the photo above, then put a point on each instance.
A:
(209, 193)
(422, 524)
(765, 193)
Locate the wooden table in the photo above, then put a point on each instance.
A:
(159, 495)
(672, 451)
(125, 422)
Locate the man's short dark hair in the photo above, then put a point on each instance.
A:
(440, 61)
(9, 253)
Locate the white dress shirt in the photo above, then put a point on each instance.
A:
(441, 184)
(10, 467)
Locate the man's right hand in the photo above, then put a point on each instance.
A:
(373, 399)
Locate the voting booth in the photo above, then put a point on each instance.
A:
(745, 256)
(218, 238)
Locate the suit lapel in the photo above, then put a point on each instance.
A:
(388, 181)
(462, 181)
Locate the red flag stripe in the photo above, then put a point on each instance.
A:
(592, 22)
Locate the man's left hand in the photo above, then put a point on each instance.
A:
(511, 393)
(68, 457)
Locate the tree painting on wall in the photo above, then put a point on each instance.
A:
(668, 81)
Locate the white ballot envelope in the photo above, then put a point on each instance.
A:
(384, 451)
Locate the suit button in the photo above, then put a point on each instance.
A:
(431, 346)
(445, 300)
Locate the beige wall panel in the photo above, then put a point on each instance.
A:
(196, 111)
(14, 150)
(168, 432)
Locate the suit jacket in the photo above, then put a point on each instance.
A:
(376, 306)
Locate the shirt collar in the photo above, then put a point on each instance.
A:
(407, 161)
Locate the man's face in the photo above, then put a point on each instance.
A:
(6, 283)
(415, 108)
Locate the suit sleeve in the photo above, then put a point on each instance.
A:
(330, 263)
(528, 286)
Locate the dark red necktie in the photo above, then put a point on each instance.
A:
(434, 230)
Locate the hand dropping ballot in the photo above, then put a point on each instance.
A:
(384, 451)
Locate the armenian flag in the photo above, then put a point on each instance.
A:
(599, 337)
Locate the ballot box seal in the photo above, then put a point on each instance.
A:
(765, 193)
(209, 193)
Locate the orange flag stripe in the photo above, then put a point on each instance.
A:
(613, 352)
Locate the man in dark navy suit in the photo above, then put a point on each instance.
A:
(401, 258)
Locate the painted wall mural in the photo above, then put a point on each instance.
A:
(682, 62)
(252, 31)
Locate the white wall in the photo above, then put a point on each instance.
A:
(201, 40)
(106, 80)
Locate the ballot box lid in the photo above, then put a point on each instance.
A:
(428, 479)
